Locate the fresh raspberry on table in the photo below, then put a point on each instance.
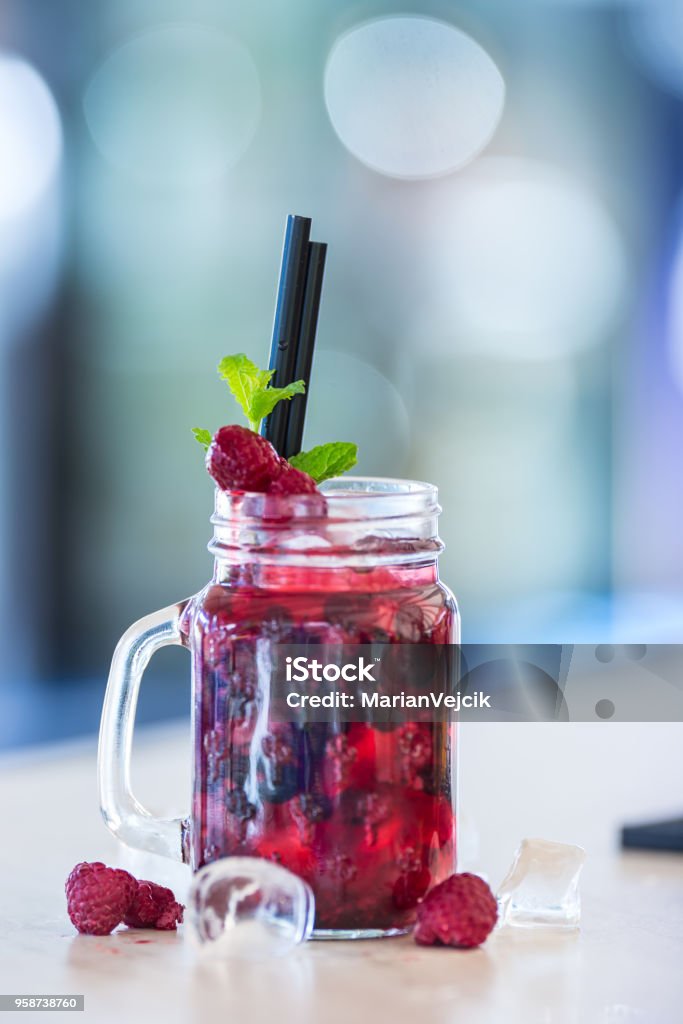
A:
(291, 481)
(154, 906)
(461, 911)
(240, 460)
(98, 897)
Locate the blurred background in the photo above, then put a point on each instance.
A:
(499, 185)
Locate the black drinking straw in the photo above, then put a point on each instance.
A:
(288, 308)
(315, 270)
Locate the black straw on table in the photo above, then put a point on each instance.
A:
(315, 270)
(287, 323)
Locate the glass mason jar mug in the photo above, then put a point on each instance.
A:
(363, 811)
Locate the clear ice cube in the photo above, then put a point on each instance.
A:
(248, 908)
(542, 886)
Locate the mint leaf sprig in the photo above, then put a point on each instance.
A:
(326, 460)
(251, 387)
(202, 436)
(256, 397)
(252, 391)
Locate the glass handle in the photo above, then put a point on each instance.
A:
(123, 815)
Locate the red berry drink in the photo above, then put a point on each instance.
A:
(363, 811)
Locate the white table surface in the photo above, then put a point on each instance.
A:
(572, 783)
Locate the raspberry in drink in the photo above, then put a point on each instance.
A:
(362, 811)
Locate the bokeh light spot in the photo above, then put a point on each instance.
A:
(30, 137)
(675, 319)
(656, 39)
(524, 263)
(178, 105)
(412, 97)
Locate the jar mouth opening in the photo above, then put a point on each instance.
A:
(345, 499)
(354, 521)
(376, 487)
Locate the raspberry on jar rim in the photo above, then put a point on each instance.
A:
(239, 459)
